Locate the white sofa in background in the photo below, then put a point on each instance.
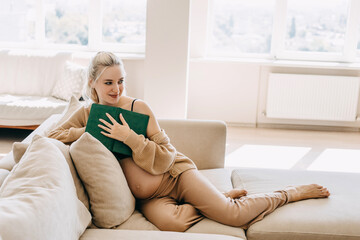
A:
(336, 217)
(36, 85)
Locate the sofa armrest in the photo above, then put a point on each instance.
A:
(203, 141)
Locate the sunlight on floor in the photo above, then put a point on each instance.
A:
(337, 160)
(266, 156)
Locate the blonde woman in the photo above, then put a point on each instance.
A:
(170, 191)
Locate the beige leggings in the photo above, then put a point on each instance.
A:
(181, 202)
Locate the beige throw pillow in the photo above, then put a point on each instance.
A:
(111, 201)
(19, 149)
(38, 198)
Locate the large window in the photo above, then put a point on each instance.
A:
(17, 20)
(124, 21)
(93, 25)
(325, 30)
(241, 26)
(66, 22)
(316, 26)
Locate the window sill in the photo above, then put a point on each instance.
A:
(283, 63)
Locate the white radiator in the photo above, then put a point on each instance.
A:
(312, 97)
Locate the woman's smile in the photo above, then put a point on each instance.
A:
(114, 95)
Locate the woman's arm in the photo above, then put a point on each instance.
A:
(72, 128)
(154, 154)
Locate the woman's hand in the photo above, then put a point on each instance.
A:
(115, 130)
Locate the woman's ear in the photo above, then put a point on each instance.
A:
(91, 83)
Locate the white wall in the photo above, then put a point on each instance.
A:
(223, 90)
(166, 57)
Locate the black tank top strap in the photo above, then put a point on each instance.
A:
(132, 104)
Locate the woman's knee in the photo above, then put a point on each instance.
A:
(180, 219)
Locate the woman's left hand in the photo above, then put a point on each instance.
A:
(115, 130)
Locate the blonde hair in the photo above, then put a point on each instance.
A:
(99, 63)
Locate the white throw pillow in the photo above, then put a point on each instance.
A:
(73, 105)
(19, 149)
(38, 198)
(71, 82)
(111, 201)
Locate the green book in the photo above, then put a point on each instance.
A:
(137, 122)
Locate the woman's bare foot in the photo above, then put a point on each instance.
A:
(302, 192)
(236, 193)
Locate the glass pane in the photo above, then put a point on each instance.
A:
(17, 20)
(124, 21)
(316, 26)
(241, 26)
(66, 22)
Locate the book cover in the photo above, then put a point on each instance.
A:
(137, 122)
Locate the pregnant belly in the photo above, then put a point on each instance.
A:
(142, 184)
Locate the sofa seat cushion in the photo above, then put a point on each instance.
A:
(111, 234)
(336, 217)
(19, 110)
(221, 179)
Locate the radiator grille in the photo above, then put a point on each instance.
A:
(312, 97)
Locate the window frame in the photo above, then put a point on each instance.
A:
(350, 53)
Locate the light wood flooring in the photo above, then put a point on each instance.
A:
(269, 148)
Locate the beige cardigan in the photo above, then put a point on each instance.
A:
(155, 154)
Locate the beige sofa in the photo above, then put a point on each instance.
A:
(337, 217)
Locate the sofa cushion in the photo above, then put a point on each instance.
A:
(38, 198)
(95, 234)
(3, 174)
(111, 201)
(71, 82)
(70, 108)
(221, 180)
(137, 221)
(31, 73)
(19, 149)
(336, 217)
(209, 226)
(22, 110)
(219, 177)
(211, 134)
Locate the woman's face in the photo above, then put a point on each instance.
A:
(109, 86)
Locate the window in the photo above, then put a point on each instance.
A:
(325, 30)
(66, 22)
(17, 20)
(241, 26)
(124, 21)
(114, 25)
(316, 26)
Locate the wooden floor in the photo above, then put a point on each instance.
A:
(293, 149)
(269, 148)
